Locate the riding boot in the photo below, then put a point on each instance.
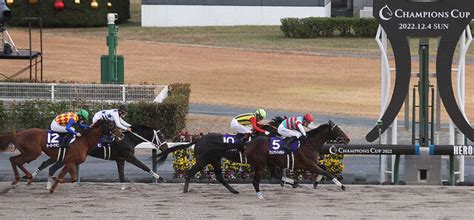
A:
(65, 141)
(286, 147)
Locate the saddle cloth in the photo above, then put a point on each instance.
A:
(276, 143)
(104, 141)
(231, 139)
(54, 138)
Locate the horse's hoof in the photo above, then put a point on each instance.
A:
(29, 182)
(282, 184)
(315, 185)
(343, 188)
(260, 195)
(295, 185)
(161, 180)
(235, 192)
(16, 181)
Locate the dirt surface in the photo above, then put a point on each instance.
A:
(297, 82)
(204, 201)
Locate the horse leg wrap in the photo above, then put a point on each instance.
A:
(260, 195)
(123, 187)
(155, 175)
(34, 174)
(337, 182)
(319, 178)
(49, 183)
(287, 180)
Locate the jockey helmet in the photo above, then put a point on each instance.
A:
(308, 117)
(123, 108)
(83, 114)
(261, 114)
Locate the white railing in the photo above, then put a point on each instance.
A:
(90, 92)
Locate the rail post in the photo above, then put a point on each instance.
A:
(78, 172)
(153, 163)
(452, 177)
(396, 170)
(381, 164)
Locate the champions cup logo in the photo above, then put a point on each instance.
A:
(385, 13)
(333, 150)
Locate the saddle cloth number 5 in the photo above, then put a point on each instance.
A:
(276, 144)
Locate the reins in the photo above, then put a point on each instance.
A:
(155, 137)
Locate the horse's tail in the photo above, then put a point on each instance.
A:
(163, 155)
(6, 141)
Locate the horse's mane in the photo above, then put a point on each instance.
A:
(318, 129)
(98, 123)
(276, 121)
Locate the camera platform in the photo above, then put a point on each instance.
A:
(34, 56)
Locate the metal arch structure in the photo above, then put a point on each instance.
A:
(391, 107)
(464, 44)
(419, 18)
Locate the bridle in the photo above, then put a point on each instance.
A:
(335, 133)
(155, 138)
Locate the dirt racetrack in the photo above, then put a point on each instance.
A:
(204, 201)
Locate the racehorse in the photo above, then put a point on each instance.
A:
(305, 158)
(210, 149)
(120, 151)
(275, 122)
(32, 142)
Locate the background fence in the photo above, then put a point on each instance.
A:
(91, 92)
(26, 105)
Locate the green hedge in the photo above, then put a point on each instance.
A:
(73, 15)
(169, 116)
(313, 27)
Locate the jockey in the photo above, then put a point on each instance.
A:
(63, 124)
(115, 115)
(244, 123)
(293, 128)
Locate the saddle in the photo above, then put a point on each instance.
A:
(275, 145)
(54, 139)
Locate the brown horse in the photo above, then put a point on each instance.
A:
(257, 153)
(32, 142)
(79, 149)
(120, 151)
